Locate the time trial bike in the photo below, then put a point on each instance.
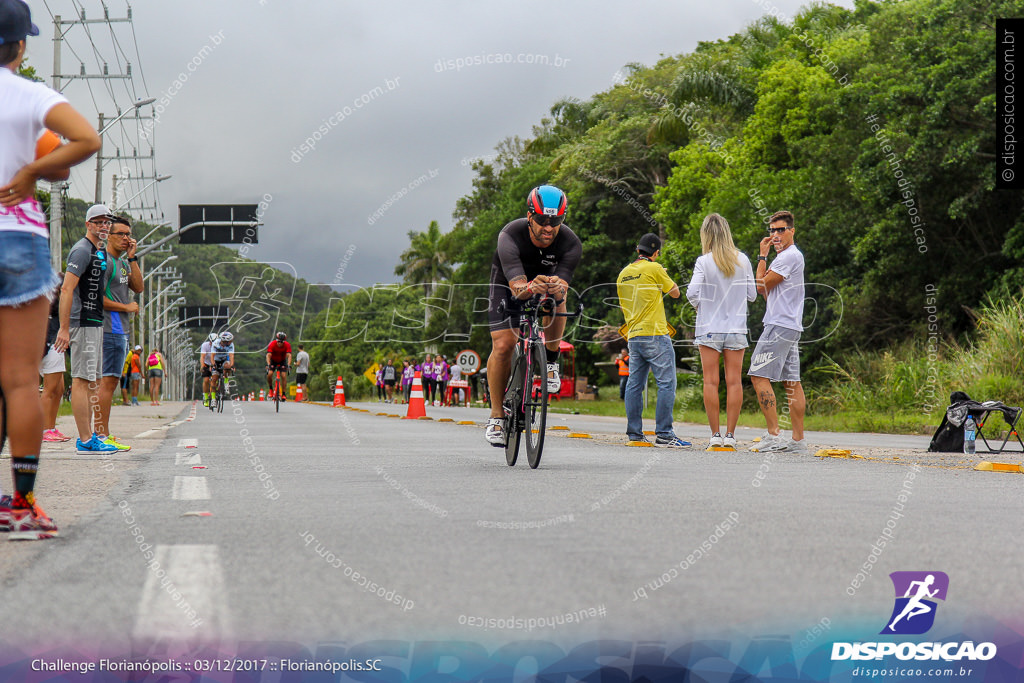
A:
(525, 401)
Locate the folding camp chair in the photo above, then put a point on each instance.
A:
(1010, 414)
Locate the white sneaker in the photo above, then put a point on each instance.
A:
(778, 444)
(716, 440)
(729, 440)
(798, 447)
(766, 442)
(495, 434)
(759, 439)
(554, 380)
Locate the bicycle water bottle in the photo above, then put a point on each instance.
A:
(970, 434)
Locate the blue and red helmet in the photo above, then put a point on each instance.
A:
(547, 200)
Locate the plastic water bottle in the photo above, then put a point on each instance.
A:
(970, 434)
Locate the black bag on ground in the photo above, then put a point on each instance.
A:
(949, 438)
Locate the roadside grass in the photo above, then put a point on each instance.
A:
(843, 421)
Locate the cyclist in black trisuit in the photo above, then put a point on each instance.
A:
(535, 255)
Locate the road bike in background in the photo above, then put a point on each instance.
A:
(217, 404)
(280, 374)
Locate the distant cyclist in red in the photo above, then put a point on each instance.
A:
(279, 357)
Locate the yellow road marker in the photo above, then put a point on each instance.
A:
(986, 466)
(837, 453)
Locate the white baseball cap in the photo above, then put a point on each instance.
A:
(98, 211)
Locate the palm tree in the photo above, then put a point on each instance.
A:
(425, 262)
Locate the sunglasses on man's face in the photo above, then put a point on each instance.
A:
(120, 234)
(772, 231)
(553, 221)
(102, 223)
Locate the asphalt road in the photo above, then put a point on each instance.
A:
(320, 524)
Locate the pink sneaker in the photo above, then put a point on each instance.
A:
(61, 435)
(51, 435)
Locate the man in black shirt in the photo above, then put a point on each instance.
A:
(81, 324)
(535, 255)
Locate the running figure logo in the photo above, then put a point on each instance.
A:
(914, 611)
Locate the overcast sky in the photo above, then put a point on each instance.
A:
(274, 71)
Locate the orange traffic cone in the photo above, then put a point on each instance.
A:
(299, 394)
(263, 396)
(339, 393)
(252, 396)
(416, 405)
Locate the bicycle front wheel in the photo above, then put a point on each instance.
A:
(537, 404)
(513, 407)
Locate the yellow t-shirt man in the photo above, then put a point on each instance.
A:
(642, 286)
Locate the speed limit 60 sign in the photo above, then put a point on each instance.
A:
(469, 361)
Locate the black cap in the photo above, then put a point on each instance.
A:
(15, 22)
(649, 244)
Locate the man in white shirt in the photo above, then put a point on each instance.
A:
(776, 357)
(302, 370)
(455, 372)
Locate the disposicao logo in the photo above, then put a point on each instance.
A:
(914, 611)
(914, 614)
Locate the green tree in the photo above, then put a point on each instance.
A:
(426, 262)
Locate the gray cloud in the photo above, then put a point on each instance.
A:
(285, 67)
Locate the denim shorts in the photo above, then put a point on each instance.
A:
(115, 348)
(722, 341)
(25, 272)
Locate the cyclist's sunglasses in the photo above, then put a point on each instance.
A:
(772, 231)
(553, 221)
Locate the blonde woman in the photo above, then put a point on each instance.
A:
(721, 286)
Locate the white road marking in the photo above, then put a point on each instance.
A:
(188, 443)
(190, 488)
(147, 433)
(187, 459)
(184, 596)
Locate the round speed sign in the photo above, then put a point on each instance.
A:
(469, 361)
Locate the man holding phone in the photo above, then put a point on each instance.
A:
(123, 277)
(776, 357)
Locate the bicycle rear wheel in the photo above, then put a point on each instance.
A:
(537, 405)
(513, 406)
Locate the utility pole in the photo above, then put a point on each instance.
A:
(57, 187)
(59, 78)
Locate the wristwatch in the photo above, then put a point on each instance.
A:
(133, 259)
(762, 258)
